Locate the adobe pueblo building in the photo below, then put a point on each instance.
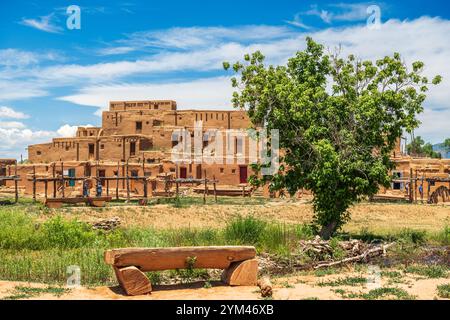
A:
(135, 140)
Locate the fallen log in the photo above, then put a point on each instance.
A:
(368, 253)
(266, 287)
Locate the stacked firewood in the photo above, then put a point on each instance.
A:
(324, 253)
(107, 224)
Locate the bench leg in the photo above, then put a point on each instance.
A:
(53, 205)
(133, 280)
(97, 203)
(242, 273)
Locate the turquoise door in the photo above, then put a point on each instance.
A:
(72, 174)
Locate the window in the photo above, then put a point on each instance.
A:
(221, 170)
(138, 126)
(156, 107)
(132, 148)
(233, 170)
(134, 173)
(38, 153)
(102, 146)
(91, 150)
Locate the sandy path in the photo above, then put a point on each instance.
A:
(285, 288)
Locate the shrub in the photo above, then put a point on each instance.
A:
(431, 271)
(60, 233)
(245, 230)
(413, 236)
(444, 291)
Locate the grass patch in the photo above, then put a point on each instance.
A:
(348, 281)
(33, 250)
(325, 271)
(387, 293)
(429, 271)
(23, 292)
(443, 290)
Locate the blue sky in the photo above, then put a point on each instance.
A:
(53, 79)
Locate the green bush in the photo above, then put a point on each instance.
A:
(245, 230)
(429, 271)
(60, 233)
(444, 291)
(413, 236)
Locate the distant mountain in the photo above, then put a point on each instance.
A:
(439, 147)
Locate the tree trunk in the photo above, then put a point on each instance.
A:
(328, 230)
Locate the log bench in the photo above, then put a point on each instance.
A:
(129, 264)
(92, 201)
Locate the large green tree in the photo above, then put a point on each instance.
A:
(339, 120)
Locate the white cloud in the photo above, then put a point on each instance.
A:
(16, 140)
(7, 112)
(69, 131)
(195, 37)
(20, 58)
(423, 39)
(203, 50)
(17, 89)
(43, 23)
(340, 12)
(297, 22)
(110, 51)
(11, 125)
(16, 137)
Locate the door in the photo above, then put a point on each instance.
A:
(72, 175)
(183, 173)
(198, 174)
(132, 148)
(102, 174)
(91, 151)
(243, 174)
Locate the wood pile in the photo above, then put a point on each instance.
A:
(318, 253)
(107, 224)
(323, 252)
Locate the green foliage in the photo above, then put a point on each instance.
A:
(429, 271)
(23, 292)
(447, 143)
(336, 144)
(418, 147)
(245, 230)
(387, 293)
(416, 237)
(443, 290)
(348, 281)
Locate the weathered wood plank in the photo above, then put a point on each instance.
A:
(154, 259)
(243, 273)
(133, 281)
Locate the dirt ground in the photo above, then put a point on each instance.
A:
(377, 217)
(285, 288)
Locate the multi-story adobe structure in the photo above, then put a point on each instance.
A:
(140, 133)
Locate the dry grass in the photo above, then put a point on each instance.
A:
(380, 218)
